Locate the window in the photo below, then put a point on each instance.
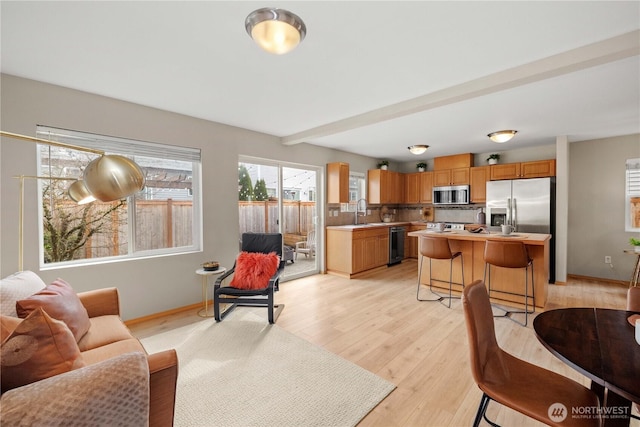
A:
(163, 218)
(357, 186)
(632, 194)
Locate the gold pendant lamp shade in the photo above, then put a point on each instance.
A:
(277, 31)
(113, 177)
(79, 193)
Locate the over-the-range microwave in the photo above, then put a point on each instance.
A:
(451, 195)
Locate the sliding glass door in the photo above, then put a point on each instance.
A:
(275, 197)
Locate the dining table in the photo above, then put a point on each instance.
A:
(600, 344)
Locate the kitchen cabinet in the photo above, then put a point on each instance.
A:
(478, 177)
(418, 187)
(337, 182)
(458, 176)
(384, 186)
(535, 169)
(411, 242)
(353, 251)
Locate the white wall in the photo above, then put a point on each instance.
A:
(150, 285)
(597, 207)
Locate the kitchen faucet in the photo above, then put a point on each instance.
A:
(358, 212)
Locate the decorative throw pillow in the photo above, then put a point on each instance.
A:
(16, 287)
(254, 269)
(59, 301)
(8, 324)
(40, 347)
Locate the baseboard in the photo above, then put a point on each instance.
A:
(163, 314)
(598, 279)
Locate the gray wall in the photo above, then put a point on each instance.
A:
(597, 207)
(149, 285)
(157, 284)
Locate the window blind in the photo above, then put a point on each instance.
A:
(633, 177)
(115, 145)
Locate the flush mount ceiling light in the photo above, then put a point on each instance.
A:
(418, 149)
(502, 135)
(275, 30)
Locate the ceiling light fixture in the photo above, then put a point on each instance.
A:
(502, 135)
(418, 149)
(277, 31)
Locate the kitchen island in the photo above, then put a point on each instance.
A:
(502, 279)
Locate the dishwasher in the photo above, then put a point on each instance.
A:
(396, 245)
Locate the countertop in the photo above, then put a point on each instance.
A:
(526, 238)
(375, 225)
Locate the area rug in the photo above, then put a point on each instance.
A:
(244, 372)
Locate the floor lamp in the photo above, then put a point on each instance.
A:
(106, 178)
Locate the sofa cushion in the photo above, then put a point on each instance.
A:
(40, 347)
(104, 330)
(7, 325)
(16, 287)
(114, 349)
(60, 302)
(254, 269)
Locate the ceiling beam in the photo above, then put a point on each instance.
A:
(603, 52)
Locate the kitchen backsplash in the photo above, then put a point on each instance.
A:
(464, 214)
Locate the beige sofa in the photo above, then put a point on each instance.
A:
(106, 339)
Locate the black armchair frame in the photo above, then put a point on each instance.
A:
(251, 242)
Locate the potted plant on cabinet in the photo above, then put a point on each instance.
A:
(493, 158)
(635, 243)
(383, 164)
(422, 166)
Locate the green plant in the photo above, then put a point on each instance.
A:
(421, 165)
(634, 242)
(383, 163)
(493, 156)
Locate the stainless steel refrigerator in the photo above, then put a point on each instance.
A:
(526, 204)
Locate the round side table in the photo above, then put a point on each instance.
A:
(204, 311)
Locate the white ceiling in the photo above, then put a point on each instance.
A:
(371, 77)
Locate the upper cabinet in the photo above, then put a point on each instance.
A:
(385, 186)
(458, 176)
(338, 182)
(417, 187)
(478, 179)
(452, 170)
(536, 169)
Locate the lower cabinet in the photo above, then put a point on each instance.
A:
(411, 242)
(350, 252)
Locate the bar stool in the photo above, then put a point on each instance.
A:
(438, 248)
(506, 254)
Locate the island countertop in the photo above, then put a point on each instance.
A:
(526, 238)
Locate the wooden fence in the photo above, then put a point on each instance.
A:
(168, 223)
(261, 217)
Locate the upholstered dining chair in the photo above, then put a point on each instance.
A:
(508, 254)
(513, 382)
(307, 247)
(256, 276)
(633, 299)
(438, 248)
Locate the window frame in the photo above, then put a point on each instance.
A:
(147, 150)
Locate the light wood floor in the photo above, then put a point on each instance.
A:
(376, 322)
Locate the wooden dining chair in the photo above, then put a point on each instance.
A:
(513, 382)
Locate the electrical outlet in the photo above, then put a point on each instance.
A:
(607, 259)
